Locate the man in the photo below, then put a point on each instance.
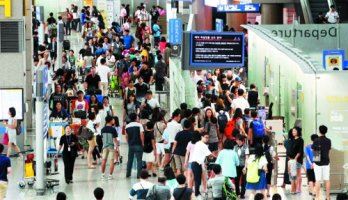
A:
(182, 192)
(156, 32)
(160, 68)
(110, 142)
(242, 150)
(127, 40)
(238, 83)
(253, 96)
(5, 169)
(72, 58)
(179, 147)
(141, 188)
(256, 130)
(135, 139)
(332, 16)
(57, 96)
(321, 148)
(83, 19)
(104, 72)
(52, 47)
(51, 20)
(310, 164)
(160, 191)
(146, 73)
(98, 193)
(141, 89)
(80, 104)
(217, 182)
(149, 100)
(240, 102)
(92, 82)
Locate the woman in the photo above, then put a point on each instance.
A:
(11, 126)
(59, 112)
(260, 161)
(69, 143)
(91, 142)
(296, 156)
(228, 160)
(130, 89)
(87, 61)
(144, 52)
(162, 44)
(94, 102)
(130, 106)
(107, 107)
(239, 123)
(288, 143)
(160, 125)
(69, 18)
(211, 127)
(188, 157)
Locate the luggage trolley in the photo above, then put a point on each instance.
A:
(28, 168)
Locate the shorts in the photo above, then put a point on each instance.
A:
(149, 157)
(213, 146)
(160, 148)
(106, 152)
(3, 189)
(322, 173)
(310, 175)
(293, 176)
(180, 162)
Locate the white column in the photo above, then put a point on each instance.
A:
(39, 149)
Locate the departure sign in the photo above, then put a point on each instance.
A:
(215, 49)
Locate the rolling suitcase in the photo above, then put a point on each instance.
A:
(66, 45)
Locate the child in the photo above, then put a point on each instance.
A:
(218, 181)
(149, 155)
(309, 164)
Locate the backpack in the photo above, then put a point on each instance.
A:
(222, 121)
(230, 126)
(18, 128)
(258, 129)
(253, 172)
(152, 195)
(227, 191)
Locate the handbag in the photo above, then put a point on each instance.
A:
(5, 139)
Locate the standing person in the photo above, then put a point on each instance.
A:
(131, 105)
(321, 148)
(256, 130)
(200, 152)
(11, 126)
(160, 125)
(160, 68)
(135, 139)
(69, 143)
(156, 31)
(160, 190)
(253, 96)
(310, 164)
(269, 154)
(240, 101)
(217, 182)
(93, 82)
(141, 188)
(332, 16)
(228, 160)
(149, 155)
(296, 156)
(5, 169)
(179, 147)
(288, 143)
(104, 73)
(110, 144)
(91, 141)
(182, 192)
(69, 18)
(211, 127)
(256, 171)
(242, 151)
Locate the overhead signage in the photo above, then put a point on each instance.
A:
(175, 31)
(7, 7)
(216, 50)
(214, 3)
(240, 8)
(334, 59)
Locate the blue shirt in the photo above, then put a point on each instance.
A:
(228, 159)
(310, 155)
(83, 18)
(156, 29)
(4, 164)
(128, 41)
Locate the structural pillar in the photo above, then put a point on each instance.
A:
(29, 65)
(272, 13)
(203, 15)
(234, 20)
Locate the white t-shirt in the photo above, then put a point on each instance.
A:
(241, 103)
(199, 153)
(190, 148)
(103, 72)
(262, 161)
(153, 103)
(173, 128)
(332, 17)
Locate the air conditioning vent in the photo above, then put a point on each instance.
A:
(11, 36)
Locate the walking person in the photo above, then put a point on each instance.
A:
(69, 18)
(135, 139)
(296, 156)
(11, 126)
(321, 148)
(196, 137)
(182, 192)
(5, 169)
(110, 143)
(242, 151)
(228, 160)
(69, 143)
(310, 164)
(149, 155)
(211, 127)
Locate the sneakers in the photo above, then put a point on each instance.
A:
(103, 177)
(110, 177)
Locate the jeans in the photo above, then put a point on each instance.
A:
(69, 162)
(197, 174)
(68, 28)
(134, 150)
(240, 181)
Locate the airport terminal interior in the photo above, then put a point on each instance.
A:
(173, 99)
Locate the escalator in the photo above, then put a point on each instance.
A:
(312, 8)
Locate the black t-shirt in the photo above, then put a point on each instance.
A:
(92, 82)
(182, 139)
(252, 98)
(141, 89)
(51, 20)
(297, 148)
(69, 140)
(185, 193)
(148, 137)
(322, 144)
(55, 97)
(225, 86)
(146, 74)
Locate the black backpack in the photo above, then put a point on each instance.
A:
(222, 121)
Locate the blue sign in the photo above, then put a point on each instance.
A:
(334, 59)
(240, 8)
(219, 25)
(175, 31)
(216, 50)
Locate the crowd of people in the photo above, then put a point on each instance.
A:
(219, 147)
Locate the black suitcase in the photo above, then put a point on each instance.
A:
(66, 45)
